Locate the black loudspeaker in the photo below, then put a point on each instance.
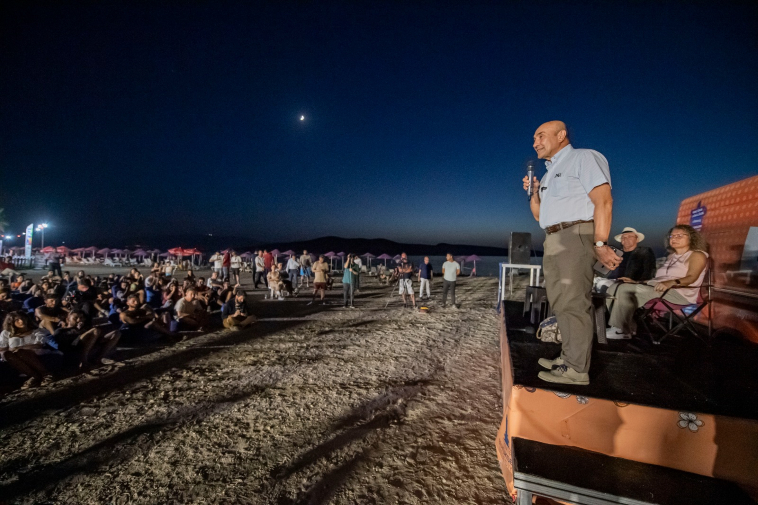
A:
(520, 248)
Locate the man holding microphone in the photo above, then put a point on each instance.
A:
(573, 205)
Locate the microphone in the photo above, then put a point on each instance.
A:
(530, 178)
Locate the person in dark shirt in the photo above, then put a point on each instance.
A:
(405, 273)
(51, 314)
(235, 313)
(425, 275)
(140, 323)
(36, 300)
(89, 346)
(85, 300)
(638, 262)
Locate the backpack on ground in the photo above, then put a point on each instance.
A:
(549, 331)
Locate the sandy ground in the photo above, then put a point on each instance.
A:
(312, 405)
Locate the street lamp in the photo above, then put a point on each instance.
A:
(41, 227)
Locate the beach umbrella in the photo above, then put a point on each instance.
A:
(473, 258)
(91, 249)
(247, 255)
(78, 250)
(341, 256)
(275, 253)
(164, 255)
(63, 250)
(116, 251)
(288, 252)
(176, 251)
(368, 257)
(396, 258)
(384, 257)
(47, 250)
(140, 253)
(331, 257)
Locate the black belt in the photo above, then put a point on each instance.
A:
(562, 226)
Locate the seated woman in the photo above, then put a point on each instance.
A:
(20, 344)
(275, 283)
(685, 266)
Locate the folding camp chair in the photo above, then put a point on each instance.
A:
(660, 315)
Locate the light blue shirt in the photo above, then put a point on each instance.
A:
(564, 189)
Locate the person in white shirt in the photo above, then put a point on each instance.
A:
(236, 266)
(450, 271)
(217, 260)
(260, 271)
(293, 269)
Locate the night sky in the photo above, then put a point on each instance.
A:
(119, 119)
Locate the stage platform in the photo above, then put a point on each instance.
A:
(680, 374)
(682, 404)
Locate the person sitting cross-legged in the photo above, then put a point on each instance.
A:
(275, 283)
(190, 315)
(235, 313)
(140, 323)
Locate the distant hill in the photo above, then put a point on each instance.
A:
(379, 246)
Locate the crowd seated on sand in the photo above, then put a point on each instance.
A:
(66, 324)
(69, 324)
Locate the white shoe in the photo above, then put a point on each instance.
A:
(614, 333)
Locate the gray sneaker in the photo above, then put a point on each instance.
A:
(550, 363)
(563, 374)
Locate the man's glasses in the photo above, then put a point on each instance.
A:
(679, 235)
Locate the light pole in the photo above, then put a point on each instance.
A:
(41, 227)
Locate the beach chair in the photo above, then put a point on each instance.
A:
(671, 319)
(110, 263)
(373, 272)
(148, 262)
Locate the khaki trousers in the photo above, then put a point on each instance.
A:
(630, 297)
(567, 263)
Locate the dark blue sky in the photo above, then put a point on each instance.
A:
(121, 118)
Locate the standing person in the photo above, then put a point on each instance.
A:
(451, 269)
(268, 261)
(357, 278)
(260, 271)
(573, 205)
(236, 265)
(405, 274)
(348, 277)
(306, 263)
(217, 261)
(226, 263)
(55, 264)
(425, 275)
(321, 270)
(293, 269)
